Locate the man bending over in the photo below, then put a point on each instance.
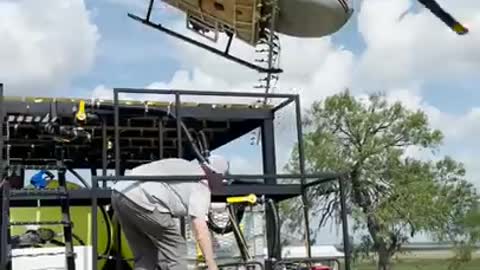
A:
(147, 212)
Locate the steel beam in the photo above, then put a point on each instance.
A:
(301, 159)
(104, 150)
(175, 178)
(160, 139)
(268, 151)
(5, 262)
(283, 104)
(199, 92)
(218, 112)
(269, 167)
(117, 133)
(94, 203)
(178, 117)
(82, 197)
(346, 235)
(326, 179)
(2, 117)
(226, 114)
(118, 170)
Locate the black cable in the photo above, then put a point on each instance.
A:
(109, 232)
(199, 143)
(210, 223)
(197, 152)
(80, 241)
(239, 236)
(200, 157)
(60, 243)
(80, 178)
(205, 143)
(275, 218)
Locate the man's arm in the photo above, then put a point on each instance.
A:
(202, 235)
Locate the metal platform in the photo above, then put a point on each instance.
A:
(146, 130)
(124, 134)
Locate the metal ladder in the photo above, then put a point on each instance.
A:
(8, 193)
(61, 193)
(268, 51)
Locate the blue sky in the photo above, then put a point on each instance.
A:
(415, 60)
(130, 54)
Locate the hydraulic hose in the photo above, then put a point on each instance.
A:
(242, 243)
(78, 177)
(204, 141)
(200, 157)
(102, 210)
(276, 220)
(200, 145)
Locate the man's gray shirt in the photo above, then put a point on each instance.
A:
(178, 198)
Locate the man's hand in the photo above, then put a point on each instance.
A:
(202, 234)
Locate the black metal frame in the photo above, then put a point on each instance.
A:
(224, 54)
(2, 118)
(96, 195)
(4, 190)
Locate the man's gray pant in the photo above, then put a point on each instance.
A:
(153, 237)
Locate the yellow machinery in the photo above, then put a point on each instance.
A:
(80, 216)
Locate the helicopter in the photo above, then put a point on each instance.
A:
(256, 22)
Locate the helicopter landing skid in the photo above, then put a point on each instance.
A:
(216, 51)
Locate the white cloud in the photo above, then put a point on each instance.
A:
(457, 128)
(44, 44)
(418, 47)
(465, 127)
(470, 160)
(102, 92)
(400, 56)
(184, 80)
(460, 131)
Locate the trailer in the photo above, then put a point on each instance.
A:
(66, 135)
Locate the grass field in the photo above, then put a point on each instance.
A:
(421, 264)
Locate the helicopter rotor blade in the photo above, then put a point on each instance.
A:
(444, 16)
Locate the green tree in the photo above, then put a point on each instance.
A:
(391, 196)
(465, 235)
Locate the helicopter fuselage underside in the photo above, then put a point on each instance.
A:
(312, 18)
(248, 18)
